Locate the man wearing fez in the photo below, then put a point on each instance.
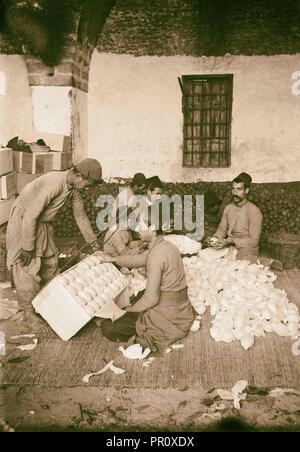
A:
(128, 196)
(31, 252)
(241, 224)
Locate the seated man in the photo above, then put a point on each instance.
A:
(163, 314)
(241, 224)
(154, 189)
(128, 195)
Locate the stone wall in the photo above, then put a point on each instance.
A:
(202, 27)
(73, 69)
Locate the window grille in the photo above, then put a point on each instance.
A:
(206, 106)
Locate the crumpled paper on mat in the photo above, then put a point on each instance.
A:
(110, 365)
(27, 347)
(236, 393)
(134, 351)
(149, 361)
(22, 335)
(279, 392)
(8, 308)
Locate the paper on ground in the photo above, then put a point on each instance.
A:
(278, 392)
(211, 415)
(235, 394)
(195, 326)
(134, 351)
(29, 346)
(23, 335)
(175, 346)
(110, 365)
(149, 361)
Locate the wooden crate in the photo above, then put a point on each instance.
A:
(56, 142)
(58, 306)
(24, 179)
(8, 185)
(60, 161)
(70, 159)
(39, 163)
(6, 161)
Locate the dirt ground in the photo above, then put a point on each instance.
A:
(94, 408)
(109, 410)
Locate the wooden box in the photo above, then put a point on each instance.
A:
(70, 159)
(39, 163)
(8, 185)
(24, 179)
(61, 143)
(6, 161)
(58, 302)
(60, 161)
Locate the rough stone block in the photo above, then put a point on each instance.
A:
(76, 70)
(85, 75)
(35, 67)
(64, 68)
(6, 161)
(84, 86)
(56, 80)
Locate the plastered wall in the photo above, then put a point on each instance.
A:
(135, 121)
(15, 100)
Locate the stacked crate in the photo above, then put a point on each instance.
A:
(18, 168)
(8, 183)
(88, 289)
(29, 166)
(8, 189)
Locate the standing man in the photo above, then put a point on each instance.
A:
(31, 252)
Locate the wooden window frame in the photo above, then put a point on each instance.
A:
(207, 158)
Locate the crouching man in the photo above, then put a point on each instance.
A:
(241, 225)
(31, 252)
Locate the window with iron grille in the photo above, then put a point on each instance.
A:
(206, 106)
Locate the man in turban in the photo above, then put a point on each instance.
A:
(31, 252)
